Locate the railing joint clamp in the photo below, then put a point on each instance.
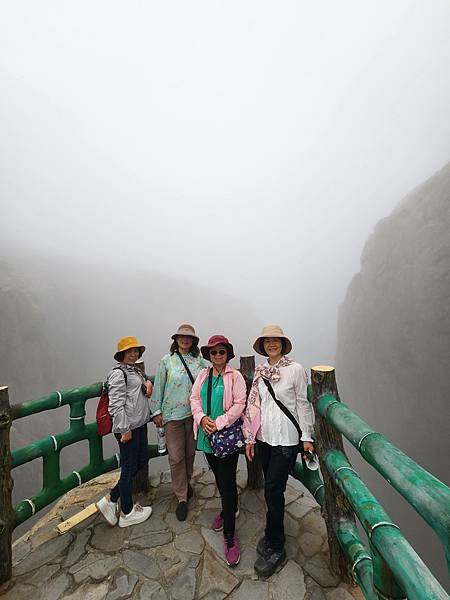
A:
(358, 560)
(382, 524)
(366, 435)
(317, 489)
(31, 503)
(342, 468)
(325, 412)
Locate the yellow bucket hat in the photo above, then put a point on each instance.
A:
(126, 343)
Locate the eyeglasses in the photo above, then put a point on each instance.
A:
(219, 352)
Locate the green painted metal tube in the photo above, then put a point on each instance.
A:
(55, 399)
(429, 496)
(312, 481)
(408, 568)
(349, 539)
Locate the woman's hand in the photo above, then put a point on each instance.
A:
(250, 451)
(149, 388)
(308, 447)
(158, 420)
(125, 437)
(208, 425)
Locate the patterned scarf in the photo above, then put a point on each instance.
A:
(252, 418)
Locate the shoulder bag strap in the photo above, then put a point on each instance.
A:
(286, 411)
(186, 367)
(208, 401)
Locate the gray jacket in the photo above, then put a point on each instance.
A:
(128, 405)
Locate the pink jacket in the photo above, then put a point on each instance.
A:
(234, 396)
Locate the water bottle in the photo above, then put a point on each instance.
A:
(311, 460)
(161, 433)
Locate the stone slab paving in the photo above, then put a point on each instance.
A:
(163, 559)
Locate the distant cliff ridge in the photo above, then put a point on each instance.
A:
(393, 349)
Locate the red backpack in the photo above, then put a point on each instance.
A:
(103, 418)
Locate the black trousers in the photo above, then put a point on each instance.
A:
(224, 470)
(133, 456)
(277, 462)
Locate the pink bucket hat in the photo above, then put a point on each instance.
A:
(215, 340)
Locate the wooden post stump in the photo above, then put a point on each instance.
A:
(6, 485)
(255, 478)
(336, 506)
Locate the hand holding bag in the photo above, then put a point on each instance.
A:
(228, 440)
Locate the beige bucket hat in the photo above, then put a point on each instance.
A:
(271, 331)
(186, 329)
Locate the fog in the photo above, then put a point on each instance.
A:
(221, 163)
(249, 147)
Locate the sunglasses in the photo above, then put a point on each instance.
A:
(219, 352)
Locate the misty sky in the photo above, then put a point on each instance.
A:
(250, 146)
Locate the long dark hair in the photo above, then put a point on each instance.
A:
(194, 348)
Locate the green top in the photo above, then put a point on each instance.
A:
(216, 409)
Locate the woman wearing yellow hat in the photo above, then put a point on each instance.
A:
(279, 381)
(128, 393)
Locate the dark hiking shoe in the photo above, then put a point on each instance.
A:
(261, 547)
(266, 565)
(181, 511)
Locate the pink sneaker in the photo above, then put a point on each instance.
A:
(231, 549)
(217, 524)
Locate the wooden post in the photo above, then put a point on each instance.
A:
(6, 486)
(141, 483)
(336, 506)
(255, 479)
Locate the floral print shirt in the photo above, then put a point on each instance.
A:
(172, 387)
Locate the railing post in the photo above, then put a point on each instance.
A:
(336, 505)
(255, 479)
(141, 483)
(6, 486)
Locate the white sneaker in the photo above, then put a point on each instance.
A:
(108, 510)
(137, 515)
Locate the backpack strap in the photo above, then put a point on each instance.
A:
(286, 411)
(124, 373)
(105, 385)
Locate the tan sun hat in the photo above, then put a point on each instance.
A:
(186, 329)
(126, 343)
(271, 331)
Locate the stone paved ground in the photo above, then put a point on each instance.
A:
(165, 559)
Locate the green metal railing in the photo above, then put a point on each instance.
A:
(49, 448)
(389, 567)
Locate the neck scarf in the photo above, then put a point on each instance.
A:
(252, 421)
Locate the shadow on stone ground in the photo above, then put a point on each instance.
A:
(167, 559)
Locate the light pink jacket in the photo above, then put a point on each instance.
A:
(234, 396)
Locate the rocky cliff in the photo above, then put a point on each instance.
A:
(393, 349)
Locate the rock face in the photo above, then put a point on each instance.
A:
(393, 350)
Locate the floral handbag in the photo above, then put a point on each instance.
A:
(228, 440)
